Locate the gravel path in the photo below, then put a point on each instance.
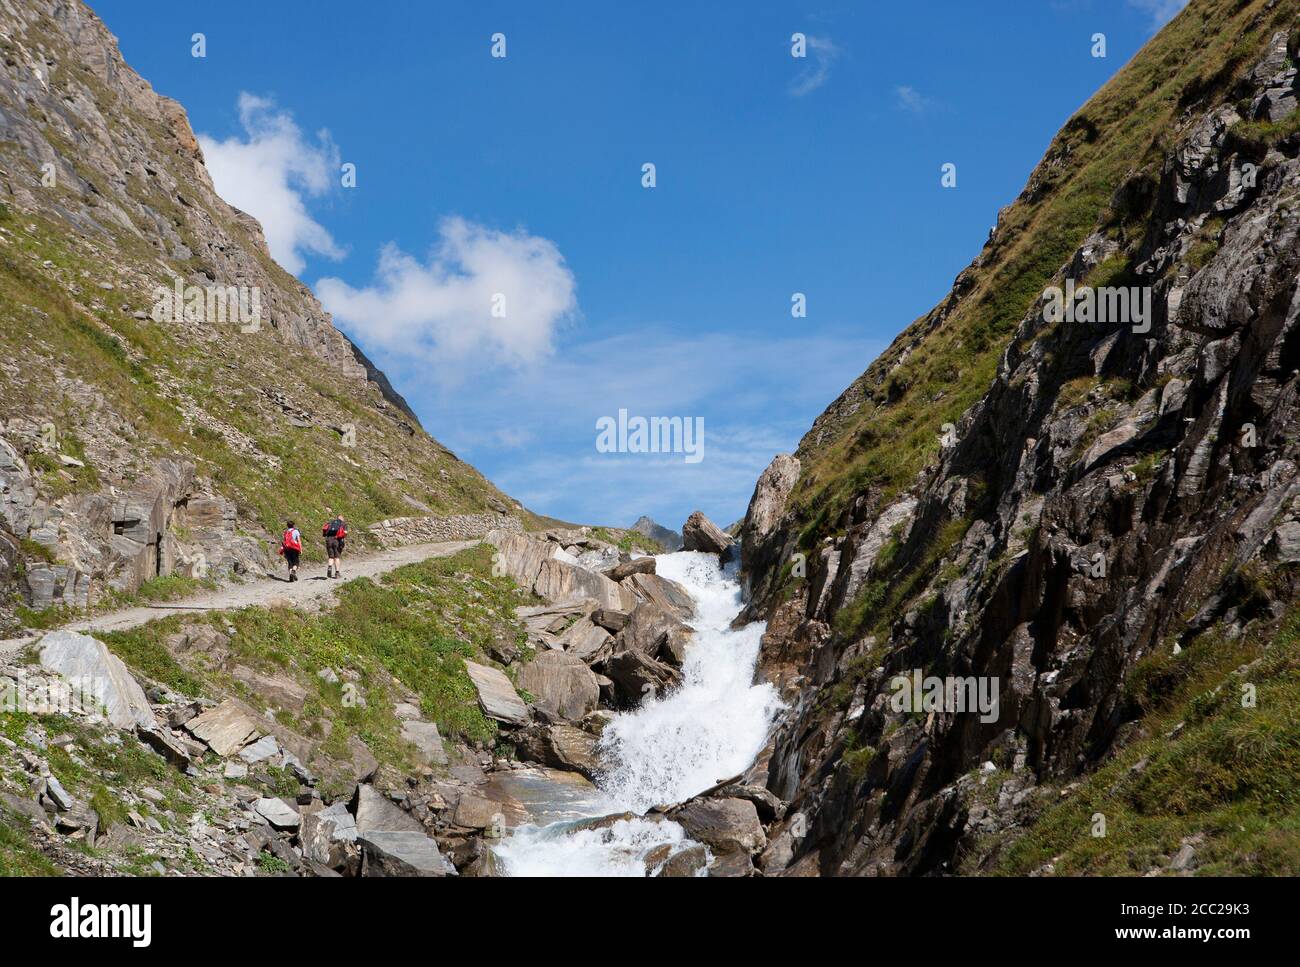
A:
(312, 587)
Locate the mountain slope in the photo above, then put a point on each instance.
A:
(1097, 517)
(133, 448)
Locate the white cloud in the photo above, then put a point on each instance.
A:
(442, 311)
(822, 54)
(1161, 11)
(757, 396)
(912, 100)
(270, 172)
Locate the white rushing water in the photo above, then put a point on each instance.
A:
(673, 746)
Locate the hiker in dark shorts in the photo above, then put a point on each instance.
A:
(334, 532)
(291, 548)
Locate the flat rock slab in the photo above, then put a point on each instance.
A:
(166, 745)
(278, 813)
(264, 748)
(97, 677)
(343, 825)
(496, 695)
(226, 729)
(403, 854)
(424, 736)
(477, 812)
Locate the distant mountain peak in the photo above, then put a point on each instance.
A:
(670, 539)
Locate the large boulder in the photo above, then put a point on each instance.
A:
(609, 618)
(428, 743)
(686, 862)
(636, 676)
(561, 684)
(98, 678)
(701, 534)
(560, 746)
(327, 836)
(540, 566)
(668, 595)
(770, 495)
(767, 505)
(654, 632)
(559, 581)
(376, 813)
(726, 825)
(518, 556)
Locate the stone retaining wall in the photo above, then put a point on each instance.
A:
(399, 531)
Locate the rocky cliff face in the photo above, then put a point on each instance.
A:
(136, 443)
(1100, 517)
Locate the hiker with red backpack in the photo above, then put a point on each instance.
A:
(334, 532)
(291, 548)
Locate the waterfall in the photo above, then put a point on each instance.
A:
(671, 747)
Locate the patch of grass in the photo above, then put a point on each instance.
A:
(44, 620)
(1099, 424)
(1148, 466)
(1207, 764)
(885, 598)
(1075, 392)
(1206, 245)
(857, 761)
(143, 648)
(168, 587)
(18, 857)
(34, 551)
(272, 865)
(1259, 136)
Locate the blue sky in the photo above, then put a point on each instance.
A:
(479, 177)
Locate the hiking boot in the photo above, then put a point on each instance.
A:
(329, 571)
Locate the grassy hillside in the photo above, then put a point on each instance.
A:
(104, 201)
(885, 427)
(77, 355)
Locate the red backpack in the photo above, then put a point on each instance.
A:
(290, 542)
(334, 528)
